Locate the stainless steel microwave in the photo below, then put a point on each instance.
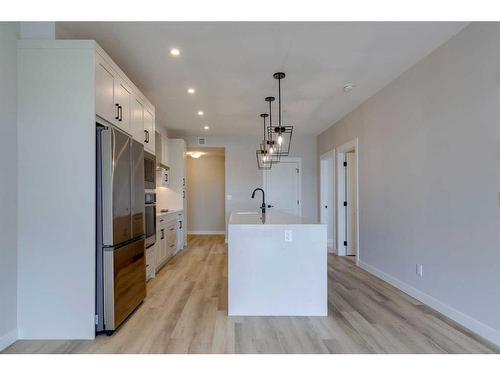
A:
(149, 171)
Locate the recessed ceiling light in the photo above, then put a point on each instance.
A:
(175, 52)
(348, 87)
(200, 113)
(191, 90)
(206, 127)
(195, 154)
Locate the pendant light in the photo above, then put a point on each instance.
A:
(264, 159)
(272, 147)
(280, 135)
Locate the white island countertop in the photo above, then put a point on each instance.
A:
(269, 218)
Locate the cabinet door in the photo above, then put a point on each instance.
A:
(157, 248)
(137, 120)
(104, 91)
(180, 231)
(164, 150)
(122, 103)
(149, 131)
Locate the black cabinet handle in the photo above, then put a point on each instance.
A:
(117, 111)
(146, 140)
(180, 224)
(120, 113)
(162, 234)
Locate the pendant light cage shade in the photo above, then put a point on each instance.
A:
(282, 138)
(263, 161)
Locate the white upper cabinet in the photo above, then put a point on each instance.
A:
(177, 164)
(104, 91)
(164, 150)
(123, 96)
(118, 101)
(149, 131)
(137, 120)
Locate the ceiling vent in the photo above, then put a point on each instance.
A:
(202, 141)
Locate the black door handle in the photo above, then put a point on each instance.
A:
(117, 112)
(269, 206)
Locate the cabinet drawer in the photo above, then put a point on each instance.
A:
(171, 225)
(171, 246)
(171, 237)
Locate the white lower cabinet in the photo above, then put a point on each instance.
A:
(151, 262)
(180, 231)
(166, 239)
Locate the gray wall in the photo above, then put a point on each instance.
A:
(8, 181)
(205, 193)
(429, 178)
(242, 175)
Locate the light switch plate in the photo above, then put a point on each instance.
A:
(229, 197)
(288, 235)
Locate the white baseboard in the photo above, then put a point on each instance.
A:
(8, 339)
(206, 232)
(465, 320)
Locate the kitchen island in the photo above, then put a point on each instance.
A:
(277, 265)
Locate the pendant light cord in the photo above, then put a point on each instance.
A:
(279, 103)
(270, 119)
(264, 128)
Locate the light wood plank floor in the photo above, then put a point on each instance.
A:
(186, 312)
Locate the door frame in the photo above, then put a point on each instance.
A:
(299, 178)
(330, 187)
(341, 224)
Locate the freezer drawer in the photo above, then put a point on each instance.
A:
(125, 282)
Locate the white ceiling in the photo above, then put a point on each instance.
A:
(231, 67)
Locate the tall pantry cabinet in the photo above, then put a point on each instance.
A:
(178, 186)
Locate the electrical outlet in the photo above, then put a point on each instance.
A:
(229, 197)
(288, 236)
(419, 270)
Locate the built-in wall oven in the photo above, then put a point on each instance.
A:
(150, 215)
(149, 171)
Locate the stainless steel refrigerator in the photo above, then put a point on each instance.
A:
(120, 259)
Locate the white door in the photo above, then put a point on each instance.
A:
(351, 186)
(282, 187)
(326, 194)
